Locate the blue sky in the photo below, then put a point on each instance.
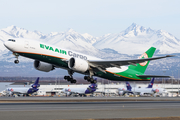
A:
(96, 17)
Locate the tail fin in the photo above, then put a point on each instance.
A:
(36, 83)
(128, 86)
(151, 83)
(92, 88)
(141, 67)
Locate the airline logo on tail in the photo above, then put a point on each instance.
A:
(144, 55)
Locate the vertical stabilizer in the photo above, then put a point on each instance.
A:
(92, 88)
(141, 67)
(128, 86)
(36, 83)
(151, 83)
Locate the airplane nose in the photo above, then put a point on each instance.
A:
(6, 44)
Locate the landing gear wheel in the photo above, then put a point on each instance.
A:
(66, 77)
(95, 81)
(87, 78)
(16, 56)
(69, 79)
(92, 80)
(73, 81)
(16, 61)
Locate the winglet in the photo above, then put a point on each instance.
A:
(170, 55)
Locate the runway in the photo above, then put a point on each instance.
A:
(87, 110)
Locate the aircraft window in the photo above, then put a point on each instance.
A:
(11, 40)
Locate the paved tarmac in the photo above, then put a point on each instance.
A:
(83, 99)
(87, 110)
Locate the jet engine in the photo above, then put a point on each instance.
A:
(42, 66)
(77, 64)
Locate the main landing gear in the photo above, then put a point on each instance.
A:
(16, 56)
(70, 77)
(90, 79)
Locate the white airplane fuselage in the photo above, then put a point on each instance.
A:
(75, 90)
(17, 90)
(142, 91)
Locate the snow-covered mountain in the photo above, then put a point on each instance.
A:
(134, 40)
(90, 38)
(74, 41)
(137, 39)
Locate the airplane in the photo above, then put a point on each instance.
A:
(80, 91)
(48, 57)
(23, 90)
(138, 90)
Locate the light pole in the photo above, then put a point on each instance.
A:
(178, 82)
(164, 79)
(172, 84)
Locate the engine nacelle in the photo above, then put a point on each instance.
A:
(42, 66)
(77, 64)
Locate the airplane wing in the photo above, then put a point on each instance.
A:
(102, 65)
(156, 76)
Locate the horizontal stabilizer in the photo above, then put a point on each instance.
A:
(154, 76)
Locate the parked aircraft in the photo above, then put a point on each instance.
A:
(48, 57)
(80, 91)
(138, 90)
(24, 90)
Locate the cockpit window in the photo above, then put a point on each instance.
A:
(12, 40)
